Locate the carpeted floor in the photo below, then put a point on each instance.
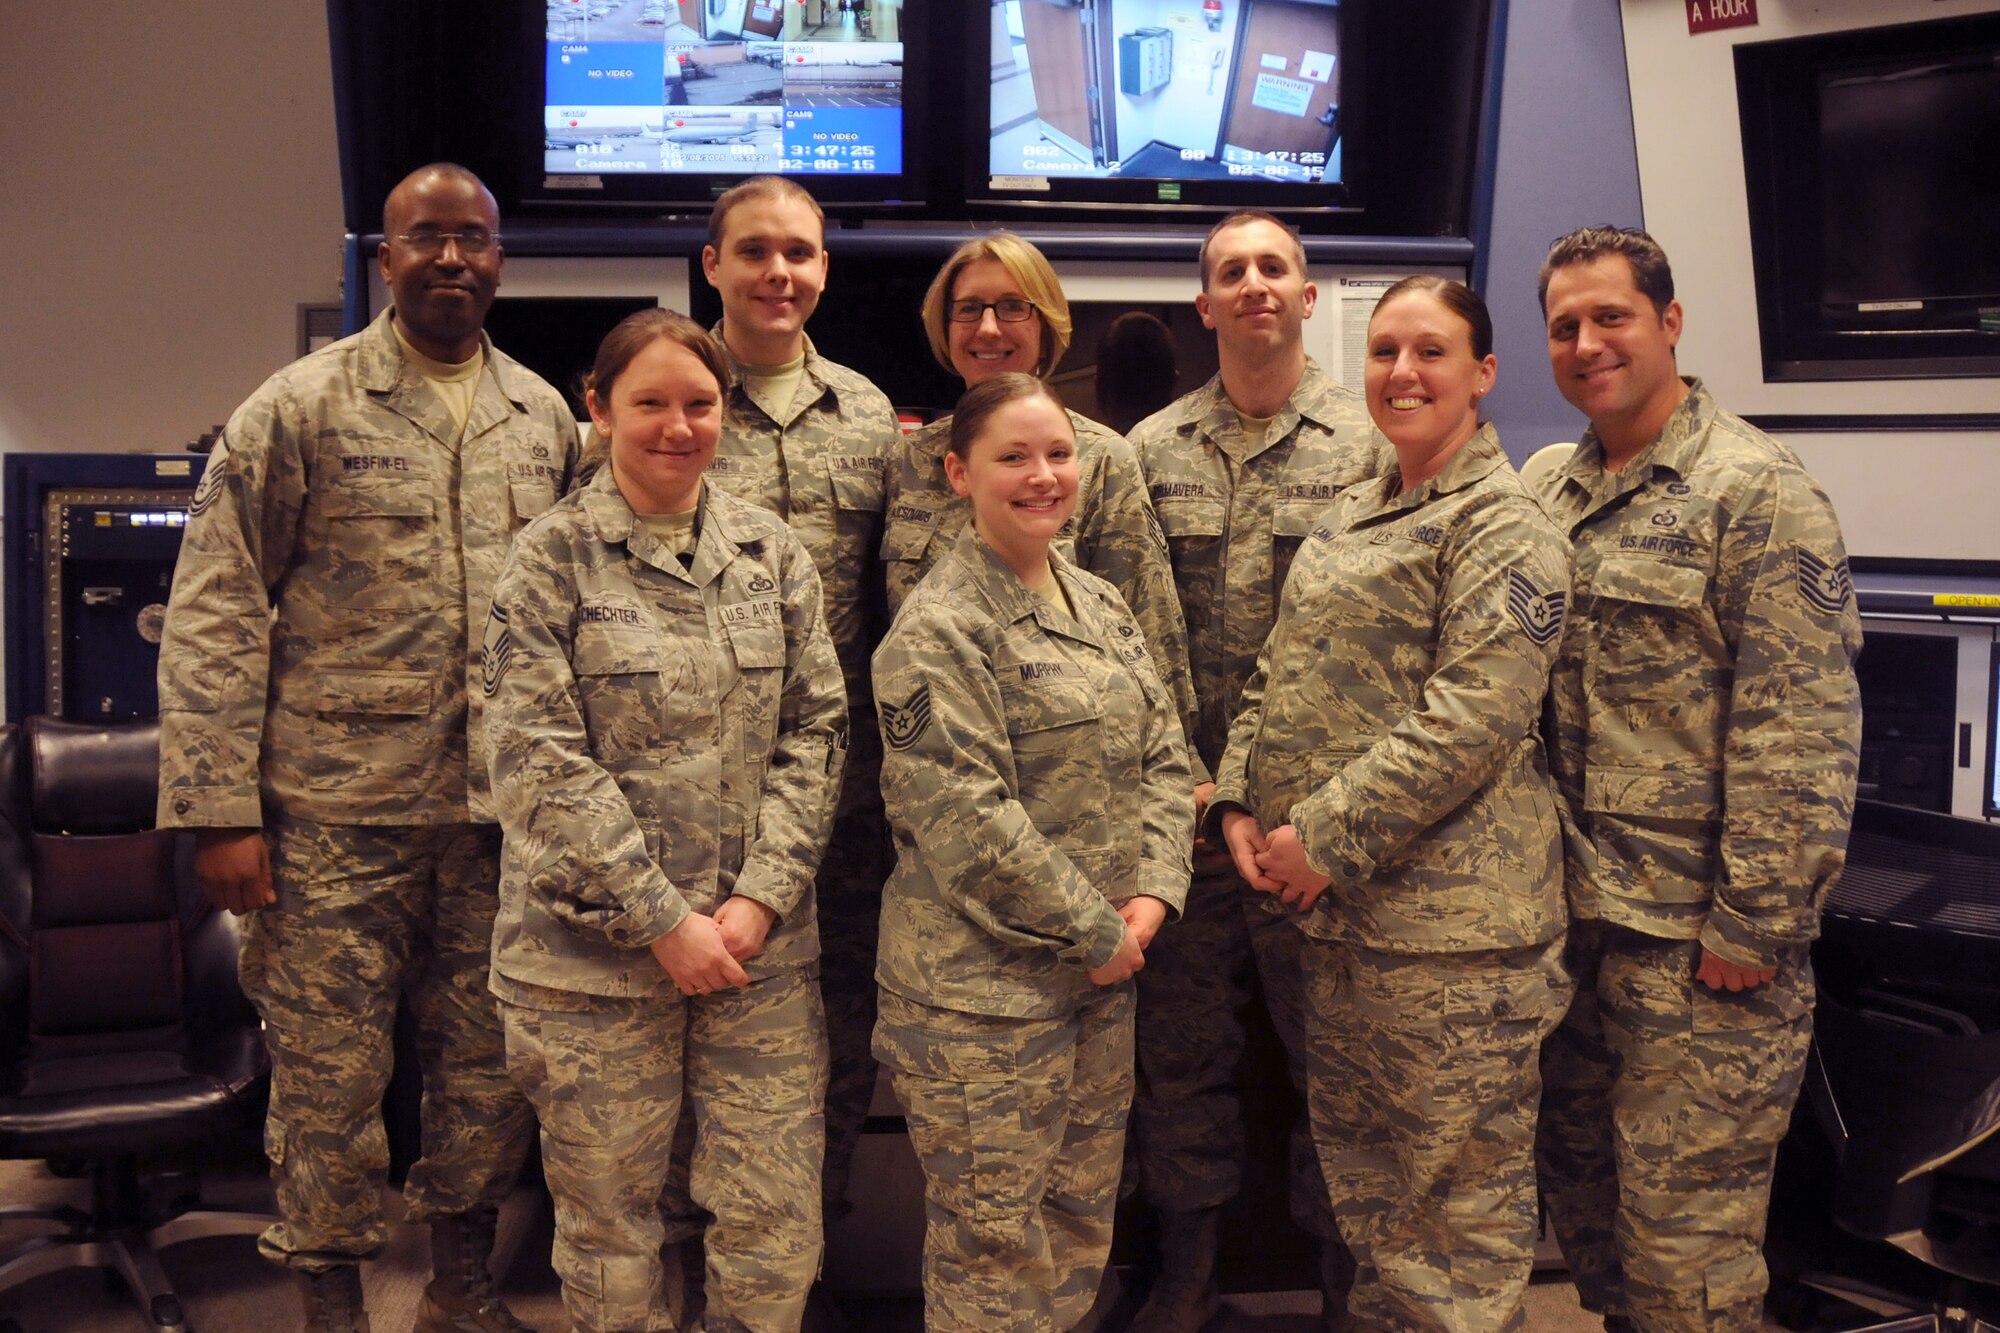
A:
(227, 1289)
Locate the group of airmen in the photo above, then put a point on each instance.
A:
(681, 783)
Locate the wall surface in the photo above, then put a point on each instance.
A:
(172, 195)
(1564, 159)
(1911, 494)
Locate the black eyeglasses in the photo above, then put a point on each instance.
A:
(1008, 310)
(431, 243)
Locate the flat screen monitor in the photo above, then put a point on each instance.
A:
(1224, 103)
(674, 100)
(1873, 179)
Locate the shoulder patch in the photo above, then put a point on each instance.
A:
(1826, 586)
(905, 723)
(1540, 614)
(210, 484)
(497, 654)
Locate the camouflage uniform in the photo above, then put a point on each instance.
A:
(1234, 513)
(1706, 723)
(1035, 777)
(821, 469)
(665, 738)
(313, 681)
(1392, 721)
(1113, 534)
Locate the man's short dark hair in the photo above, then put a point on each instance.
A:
(1243, 217)
(1651, 273)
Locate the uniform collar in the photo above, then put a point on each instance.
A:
(1210, 414)
(1674, 450)
(1011, 600)
(385, 372)
(721, 529)
(1476, 459)
(814, 373)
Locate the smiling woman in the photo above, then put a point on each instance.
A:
(666, 714)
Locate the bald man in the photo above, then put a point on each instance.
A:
(319, 738)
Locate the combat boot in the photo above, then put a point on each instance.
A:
(333, 1300)
(1184, 1297)
(460, 1297)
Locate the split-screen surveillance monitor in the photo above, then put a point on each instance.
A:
(722, 88)
(1185, 96)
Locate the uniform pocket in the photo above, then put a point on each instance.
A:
(619, 688)
(381, 537)
(1656, 830)
(371, 730)
(1053, 729)
(1649, 616)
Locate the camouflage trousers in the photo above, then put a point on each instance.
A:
(1423, 1085)
(1665, 1102)
(365, 915)
(1019, 1124)
(1199, 994)
(608, 1080)
(847, 895)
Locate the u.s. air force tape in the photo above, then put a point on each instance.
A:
(497, 653)
(904, 723)
(1540, 614)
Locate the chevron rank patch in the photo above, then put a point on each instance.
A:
(1540, 614)
(497, 653)
(905, 723)
(210, 484)
(1826, 586)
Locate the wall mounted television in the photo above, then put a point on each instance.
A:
(658, 101)
(1873, 182)
(1314, 109)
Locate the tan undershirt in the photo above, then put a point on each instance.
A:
(673, 531)
(773, 387)
(1255, 428)
(456, 386)
(1051, 591)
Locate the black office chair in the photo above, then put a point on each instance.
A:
(1903, 1082)
(122, 1029)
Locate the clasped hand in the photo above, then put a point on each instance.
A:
(1273, 862)
(706, 953)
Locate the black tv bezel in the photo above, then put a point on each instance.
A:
(1777, 86)
(1084, 196)
(653, 193)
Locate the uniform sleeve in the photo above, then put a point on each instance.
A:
(215, 652)
(1791, 754)
(1232, 772)
(1119, 539)
(1166, 800)
(948, 781)
(574, 834)
(1502, 595)
(795, 805)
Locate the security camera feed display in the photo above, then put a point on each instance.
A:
(1166, 90)
(738, 87)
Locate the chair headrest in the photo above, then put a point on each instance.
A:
(93, 777)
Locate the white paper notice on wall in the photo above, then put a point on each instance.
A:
(1272, 62)
(1287, 96)
(1191, 58)
(1316, 65)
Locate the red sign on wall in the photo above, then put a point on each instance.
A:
(1711, 15)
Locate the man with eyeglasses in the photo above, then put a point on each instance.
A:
(1238, 471)
(319, 735)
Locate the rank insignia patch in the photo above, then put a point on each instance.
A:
(497, 654)
(904, 723)
(1539, 613)
(1826, 587)
(210, 484)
